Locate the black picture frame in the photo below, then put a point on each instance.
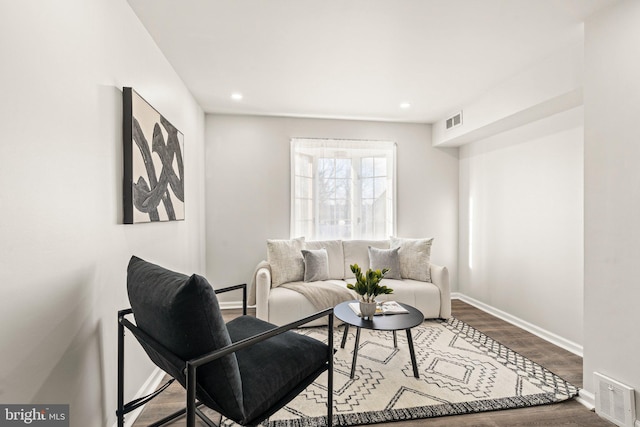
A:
(153, 184)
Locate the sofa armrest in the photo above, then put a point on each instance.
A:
(440, 278)
(263, 288)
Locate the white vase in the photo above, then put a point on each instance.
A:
(367, 309)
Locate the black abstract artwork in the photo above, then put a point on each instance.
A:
(153, 165)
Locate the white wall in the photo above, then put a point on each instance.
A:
(63, 250)
(612, 195)
(521, 219)
(247, 186)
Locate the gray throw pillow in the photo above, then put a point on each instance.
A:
(316, 264)
(385, 258)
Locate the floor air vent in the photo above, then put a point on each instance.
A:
(614, 401)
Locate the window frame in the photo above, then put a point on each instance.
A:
(356, 151)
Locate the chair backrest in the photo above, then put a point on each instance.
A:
(182, 313)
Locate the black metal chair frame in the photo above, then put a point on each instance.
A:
(192, 405)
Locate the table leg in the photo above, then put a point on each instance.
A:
(413, 354)
(344, 337)
(395, 340)
(355, 353)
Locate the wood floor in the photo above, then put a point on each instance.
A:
(559, 361)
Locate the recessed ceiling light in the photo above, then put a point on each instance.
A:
(405, 105)
(236, 96)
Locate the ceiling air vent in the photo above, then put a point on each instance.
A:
(614, 401)
(455, 120)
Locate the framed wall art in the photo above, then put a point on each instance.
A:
(153, 164)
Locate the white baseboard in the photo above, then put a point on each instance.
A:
(228, 305)
(529, 327)
(587, 399)
(149, 386)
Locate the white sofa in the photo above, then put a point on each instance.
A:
(279, 305)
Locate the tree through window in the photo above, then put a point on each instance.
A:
(342, 189)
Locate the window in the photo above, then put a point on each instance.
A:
(342, 189)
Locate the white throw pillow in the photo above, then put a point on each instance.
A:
(316, 264)
(385, 258)
(415, 258)
(285, 259)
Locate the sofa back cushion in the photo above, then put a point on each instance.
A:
(335, 254)
(357, 252)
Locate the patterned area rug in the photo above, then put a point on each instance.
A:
(461, 371)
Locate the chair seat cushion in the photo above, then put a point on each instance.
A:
(271, 369)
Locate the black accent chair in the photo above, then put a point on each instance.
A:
(245, 370)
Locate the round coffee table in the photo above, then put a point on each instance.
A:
(388, 322)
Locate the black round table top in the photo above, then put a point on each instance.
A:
(384, 322)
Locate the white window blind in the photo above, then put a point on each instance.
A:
(342, 189)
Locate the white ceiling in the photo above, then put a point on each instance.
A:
(356, 59)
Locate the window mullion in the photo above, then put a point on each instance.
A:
(316, 192)
(356, 198)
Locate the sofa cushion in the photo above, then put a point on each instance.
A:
(316, 264)
(380, 259)
(357, 252)
(415, 257)
(424, 296)
(335, 254)
(285, 259)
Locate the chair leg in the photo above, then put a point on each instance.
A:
(169, 418)
(191, 395)
(206, 419)
(180, 413)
